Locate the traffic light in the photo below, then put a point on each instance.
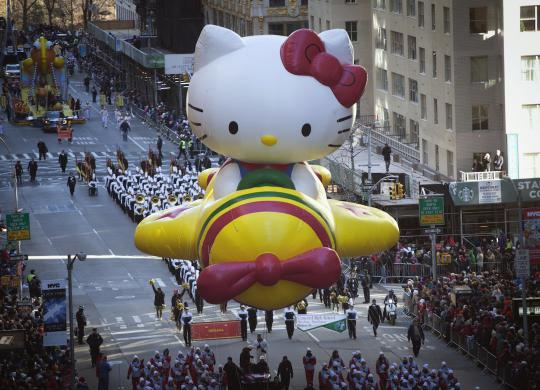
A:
(393, 191)
(400, 191)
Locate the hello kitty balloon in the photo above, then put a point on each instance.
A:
(265, 232)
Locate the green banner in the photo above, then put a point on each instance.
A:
(474, 193)
(18, 226)
(338, 326)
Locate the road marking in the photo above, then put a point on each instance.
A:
(26, 156)
(137, 319)
(160, 282)
(313, 337)
(130, 276)
(99, 289)
(95, 154)
(125, 297)
(173, 280)
(15, 157)
(136, 143)
(111, 252)
(144, 337)
(4, 158)
(71, 154)
(54, 257)
(131, 331)
(119, 319)
(49, 155)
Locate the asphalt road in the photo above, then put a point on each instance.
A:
(112, 283)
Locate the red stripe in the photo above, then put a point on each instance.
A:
(257, 207)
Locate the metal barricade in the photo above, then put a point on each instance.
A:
(491, 363)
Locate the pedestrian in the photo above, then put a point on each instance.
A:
(415, 334)
(199, 302)
(486, 162)
(42, 150)
(18, 172)
(63, 160)
(87, 84)
(387, 153)
(498, 161)
(159, 300)
(243, 314)
(104, 370)
(94, 94)
(252, 319)
(81, 323)
(285, 373)
(365, 287)
(71, 181)
(269, 319)
(186, 318)
(159, 145)
(87, 111)
(261, 347)
(351, 321)
(309, 362)
(374, 316)
(32, 169)
(289, 316)
(233, 374)
(94, 341)
(104, 116)
(125, 128)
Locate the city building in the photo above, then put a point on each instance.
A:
(436, 73)
(521, 93)
(255, 17)
(126, 10)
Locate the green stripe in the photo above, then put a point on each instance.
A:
(240, 198)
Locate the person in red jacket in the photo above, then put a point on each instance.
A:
(309, 361)
(135, 371)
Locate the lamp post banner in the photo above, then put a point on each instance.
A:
(335, 322)
(54, 312)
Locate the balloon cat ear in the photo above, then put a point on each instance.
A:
(215, 42)
(337, 43)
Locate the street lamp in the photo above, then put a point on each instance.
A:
(70, 261)
(521, 244)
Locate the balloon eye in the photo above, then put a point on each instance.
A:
(306, 130)
(233, 127)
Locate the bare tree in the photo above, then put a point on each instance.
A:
(25, 8)
(50, 7)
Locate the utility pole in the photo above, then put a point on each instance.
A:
(70, 261)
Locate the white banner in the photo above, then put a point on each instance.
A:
(489, 191)
(307, 322)
(179, 63)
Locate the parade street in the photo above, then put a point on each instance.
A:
(113, 283)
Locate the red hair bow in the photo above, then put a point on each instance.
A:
(303, 54)
(317, 268)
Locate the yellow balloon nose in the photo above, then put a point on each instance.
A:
(269, 140)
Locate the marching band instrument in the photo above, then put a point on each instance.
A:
(140, 198)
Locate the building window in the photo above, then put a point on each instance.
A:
(414, 131)
(399, 125)
(437, 158)
(421, 16)
(382, 115)
(305, 2)
(478, 20)
(276, 3)
(380, 4)
(479, 69)
(450, 163)
(433, 17)
(320, 24)
(411, 46)
(351, 28)
(448, 109)
(413, 90)
(382, 79)
(434, 61)
(381, 38)
(480, 117)
(529, 18)
(422, 62)
(348, 1)
(311, 22)
(435, 111)
(411, 8)
(423, 106)
(398, 85)
(397, 42)
(531, 112)
(328, 25)
(396, 6)
(530, 68)
(446, 20)
(424, 152)
(447, 68)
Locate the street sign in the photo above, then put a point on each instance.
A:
(431, 210)
(18, 226)
(433, 231)
(522, 263)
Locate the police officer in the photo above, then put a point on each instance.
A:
(252, 319)
(63, 160)
(289, 321)
(81, 323)
(243, 314)
(269, 319)
(351, 321)
(365, 287)
(186, 318)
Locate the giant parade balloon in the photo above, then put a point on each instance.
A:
(265, 233)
